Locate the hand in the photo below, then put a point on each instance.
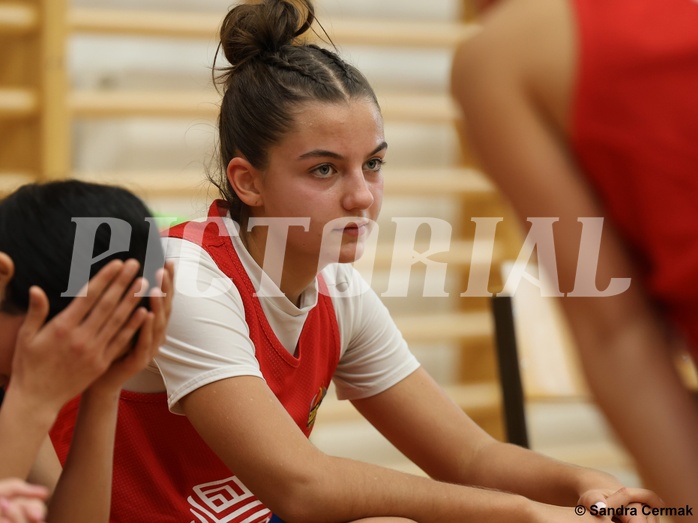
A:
(21, 502)
(543, 513)
(55, 362)
(150, 337)
(630, 498)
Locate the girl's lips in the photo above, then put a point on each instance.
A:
(355, 229)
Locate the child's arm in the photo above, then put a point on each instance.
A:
(87, 474)
(57, 361)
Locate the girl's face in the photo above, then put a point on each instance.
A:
(327, 169)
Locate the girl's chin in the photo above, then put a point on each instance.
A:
(352, 255)
(349, 253)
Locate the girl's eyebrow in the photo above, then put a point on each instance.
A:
(321, 153)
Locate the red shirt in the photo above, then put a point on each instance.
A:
(635, 133)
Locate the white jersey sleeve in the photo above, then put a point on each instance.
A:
(375, 356)
(207, 337)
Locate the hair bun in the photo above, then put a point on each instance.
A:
(252, 30)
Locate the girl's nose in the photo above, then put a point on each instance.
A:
(358, 193)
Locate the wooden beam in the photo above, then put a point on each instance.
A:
(156, 184)
(18, 18)
(158, 104)
(55, 141)
(380, 33)
(472, 397)
(144, 23)
(18, 103)
(423, 108)
(451, 326)
(439, 181)
(398, 33)
(427, 108)
(11, 181)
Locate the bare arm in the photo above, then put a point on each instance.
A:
(513, 82)
(55, 362)
(430, 429)
(247, 427)
(92, 449)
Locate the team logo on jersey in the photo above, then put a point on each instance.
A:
(226, 501)
(315, 405)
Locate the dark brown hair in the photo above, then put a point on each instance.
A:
(271, 74)
(38, 231)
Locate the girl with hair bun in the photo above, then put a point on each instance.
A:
(268, 312)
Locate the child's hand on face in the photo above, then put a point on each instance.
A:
(150, 337)
(56, 361)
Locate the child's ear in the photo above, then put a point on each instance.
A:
(245, 180)
(7, 270)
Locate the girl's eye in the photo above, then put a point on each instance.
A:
(323, 171)
(374, 164)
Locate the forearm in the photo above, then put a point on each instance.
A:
(245, 426)
(636, 385)
(24, 424)
(349, 490)
(87, 474)
(535, 476)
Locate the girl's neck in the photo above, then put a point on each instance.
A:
(292, 277)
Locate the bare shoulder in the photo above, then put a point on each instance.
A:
(526, 45)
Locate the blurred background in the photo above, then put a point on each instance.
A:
(120, 91)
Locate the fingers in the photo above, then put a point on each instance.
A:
(21, 502)
(161, 299)
(120, 323)
(16, 487)
(22, 510)
(626, 495)
(161, 302)
(119, 297)
(88, 296)
(636, 513)
(123, 336)
(37, 313)
(146, 348)
(627, 505)
(136, 359)
(152, 329)
(161, 306)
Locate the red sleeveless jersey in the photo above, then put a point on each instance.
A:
(163, 471)
(635, 133)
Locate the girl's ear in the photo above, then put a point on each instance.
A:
(7, 270)
(245, 180)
